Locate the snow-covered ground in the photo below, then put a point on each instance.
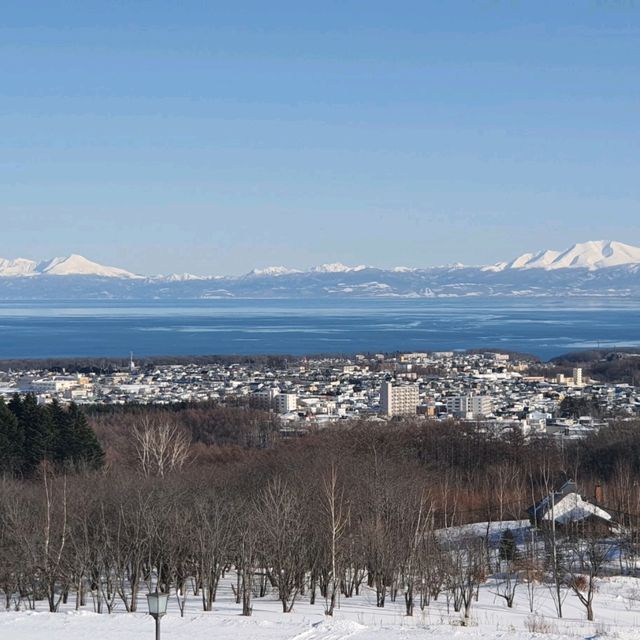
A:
(617, 615)
(491, 530)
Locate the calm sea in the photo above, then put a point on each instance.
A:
(545, 327)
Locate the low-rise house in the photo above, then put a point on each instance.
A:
(570, 512)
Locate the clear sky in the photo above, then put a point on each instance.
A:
(214, 137)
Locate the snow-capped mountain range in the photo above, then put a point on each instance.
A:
(600, 268)
(73, 265)
(592, 255)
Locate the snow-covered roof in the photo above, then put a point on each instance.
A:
(572, 508)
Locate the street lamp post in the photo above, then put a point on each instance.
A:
(157, 607)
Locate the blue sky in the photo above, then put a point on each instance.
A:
(213, 137)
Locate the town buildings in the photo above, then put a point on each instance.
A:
(492, 390)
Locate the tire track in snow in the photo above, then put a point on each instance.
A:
(339, 630)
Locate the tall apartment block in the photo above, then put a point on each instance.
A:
(286, 402)
(577, 377)
(469, 406)
(398, 400)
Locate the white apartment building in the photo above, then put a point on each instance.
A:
(398, 400)
(265, 399)
(577, 377)
(286, 402)
(469, 406)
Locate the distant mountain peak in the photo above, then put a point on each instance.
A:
(337, 267)
(17, 267)
(77, 265)
(592, 255)
(403, 270)
(331, 267)
(73, 265)
(273, 271)
(182, 277)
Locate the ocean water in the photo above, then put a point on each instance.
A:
(544, 327)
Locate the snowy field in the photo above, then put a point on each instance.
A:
(617, 615)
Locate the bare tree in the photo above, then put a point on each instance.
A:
(244, 546)
(13, 562)
(508, 578)
(48, 542)
(466, 570)
(586, 553)
(531, 567)
(337, 517)
(415, 525)
(279, 512)
(213, 535)
(161, 446)
(550, 535)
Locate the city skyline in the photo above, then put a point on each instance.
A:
(214, 139)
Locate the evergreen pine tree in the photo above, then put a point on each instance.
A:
(34, 422)
(15, 406)
(61, 444)
(508, 547)
(53, 432)
(84, 446)
(11, 441)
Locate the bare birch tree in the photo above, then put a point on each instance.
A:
(161, 447)
(337, 517)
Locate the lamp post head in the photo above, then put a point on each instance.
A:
(157, 603)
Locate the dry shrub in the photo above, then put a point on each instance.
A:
(580, 583)
(539, 624)
(530, 569)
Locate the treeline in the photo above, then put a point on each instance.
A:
(191, 493)
(210, 433)
(315, 517)
(212, 430)
(217, 434)
(270, 361)
(578, 406)
(621, 365)
(31, 433)
(592, 355)
(311, 517)
(110, 365)
(617, 369)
